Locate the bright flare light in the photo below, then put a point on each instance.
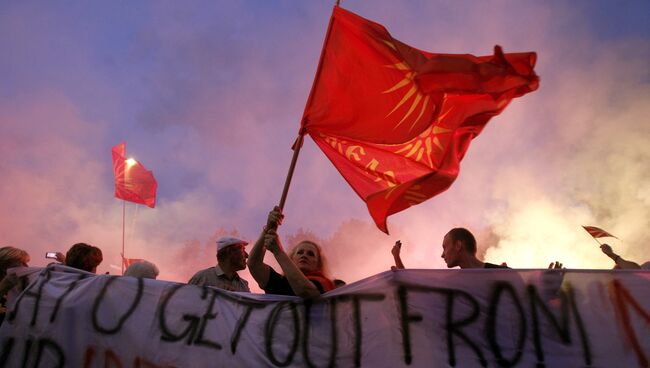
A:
(130, 162)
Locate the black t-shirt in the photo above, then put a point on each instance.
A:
(492, 265)
(279, 285)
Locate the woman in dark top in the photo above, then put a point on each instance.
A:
(302, 267)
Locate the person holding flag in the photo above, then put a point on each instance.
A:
(620, 262)
(303, 266)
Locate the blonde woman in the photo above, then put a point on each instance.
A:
(303, 267)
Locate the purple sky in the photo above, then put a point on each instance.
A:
(209, 96)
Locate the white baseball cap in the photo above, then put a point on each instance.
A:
(226, 241)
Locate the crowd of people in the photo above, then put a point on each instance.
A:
(303, 269)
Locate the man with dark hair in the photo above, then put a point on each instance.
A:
(84, 257)
(231, 257)
(458, 250)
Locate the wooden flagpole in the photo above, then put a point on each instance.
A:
(596, 240)
(301, 135)
(287, 182)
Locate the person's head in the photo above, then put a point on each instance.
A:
(144, 269)
(308, 256)
(231, 253)
(12, 257)
(458, 243)
(84, 257)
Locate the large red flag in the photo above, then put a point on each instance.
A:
(133, 182)
(396, 121)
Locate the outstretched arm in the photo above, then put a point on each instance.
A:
(300, 284)
(396, 255)
(258, 269)
(620, 262)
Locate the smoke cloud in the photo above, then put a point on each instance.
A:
(209, 97)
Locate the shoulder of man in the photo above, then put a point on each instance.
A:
(200, 276)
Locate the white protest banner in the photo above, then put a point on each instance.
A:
(417, 318)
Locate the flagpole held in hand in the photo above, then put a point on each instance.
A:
(297, 145)
(287, 182)
(596, 240)
(296, 150)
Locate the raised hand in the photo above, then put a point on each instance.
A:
(272, 241)
(607, 250)
(275, 218)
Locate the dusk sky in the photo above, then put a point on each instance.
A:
(209, 95)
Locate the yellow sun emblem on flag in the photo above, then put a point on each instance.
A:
(421, 148)
(419, 101)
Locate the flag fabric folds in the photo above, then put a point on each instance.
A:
(597, 232)
(133, 182)
(396, 121)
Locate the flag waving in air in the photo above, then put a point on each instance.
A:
(597, 232)
(396, 121)
(133, 182)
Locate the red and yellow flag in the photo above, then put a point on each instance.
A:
(133, 182)
(396, 121)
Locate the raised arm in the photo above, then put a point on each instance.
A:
(396, 255)
(299, 283)
(620, 262)
(258, 269)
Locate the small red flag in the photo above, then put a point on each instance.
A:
(597, 232)
(129, 261)
(396, 121)
(133, 182)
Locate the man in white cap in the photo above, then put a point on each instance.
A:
(231, 257)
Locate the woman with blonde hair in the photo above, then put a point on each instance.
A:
(304, 266)
(142, 269)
